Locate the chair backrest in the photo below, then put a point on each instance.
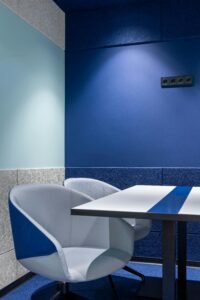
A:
(50, 206)
(92, 187)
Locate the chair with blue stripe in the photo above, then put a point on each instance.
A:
(49, 241)
(97, 189)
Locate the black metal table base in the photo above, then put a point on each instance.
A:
(182, 260)
(171, 291)
(169, 260)
(170, 288)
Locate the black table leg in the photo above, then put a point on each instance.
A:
(169, 260)
(182, 259)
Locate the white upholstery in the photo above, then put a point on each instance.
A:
(98, 189)
(91, 187)
(87, 247)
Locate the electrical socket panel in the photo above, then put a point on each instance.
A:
(177, 81)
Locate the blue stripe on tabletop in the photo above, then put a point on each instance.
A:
(172, 203)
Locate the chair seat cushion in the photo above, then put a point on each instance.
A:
(85, 264)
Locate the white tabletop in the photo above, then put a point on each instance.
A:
(150, 202)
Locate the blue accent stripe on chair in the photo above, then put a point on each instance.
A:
(28, 239)
(172, 203)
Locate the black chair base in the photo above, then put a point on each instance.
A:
(114, 291)
(134, 272)
(67, 296)
(55, 291)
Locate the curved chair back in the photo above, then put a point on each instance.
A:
(92, 187)
(49, 208)
(97, 189)
(51, 242)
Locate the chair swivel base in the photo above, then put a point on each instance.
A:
(134, 272)
(68, 296)
(54, 291)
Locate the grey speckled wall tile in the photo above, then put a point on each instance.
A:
(51, 175)
(20, 270)
(55, 175)
(7, 268)
(44, 15)
(8, 179)
(10, 269)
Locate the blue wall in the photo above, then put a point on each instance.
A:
(117, 113)
(120, 116)
(121, 126)
(31, 96)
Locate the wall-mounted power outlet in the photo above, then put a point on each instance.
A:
(177, 81)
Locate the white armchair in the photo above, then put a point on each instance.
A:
(51, 242)
(98, 189)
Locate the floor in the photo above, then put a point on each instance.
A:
(127, 285)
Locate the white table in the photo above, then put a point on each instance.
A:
(169, 204)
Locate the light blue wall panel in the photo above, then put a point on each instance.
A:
(31, 96)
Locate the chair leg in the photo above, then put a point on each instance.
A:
(113, 287)
(64, 293)
(134, 272)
